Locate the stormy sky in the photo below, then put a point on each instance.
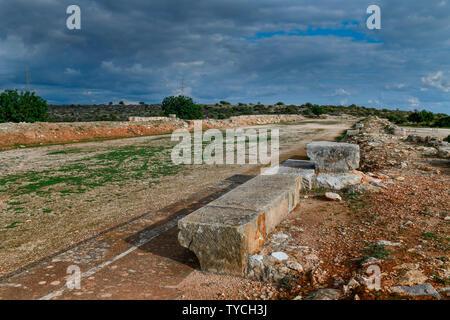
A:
(293, 51)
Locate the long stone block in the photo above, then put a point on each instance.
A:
(223, 233)
(334, 156)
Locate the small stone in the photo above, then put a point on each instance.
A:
(333, 196)
(280, 256)
(324, 294)
(412, 277)
(388, 243)
(42, 282)
(284, 270)
(369, 261)
(294, 265)
(425, 289)
(280, 236)
(352, 284)
(336, 181)
(55, 283)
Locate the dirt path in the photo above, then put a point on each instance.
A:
(71, 215)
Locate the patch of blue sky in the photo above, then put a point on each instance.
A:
(312, 32)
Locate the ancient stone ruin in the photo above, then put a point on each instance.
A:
(226, 233)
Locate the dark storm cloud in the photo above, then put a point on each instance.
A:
(266, 50)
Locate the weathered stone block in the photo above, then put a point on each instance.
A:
(351, 133)
(227, 230)
(275, 195)
(336, 181)
(222, 237)
(334, 156)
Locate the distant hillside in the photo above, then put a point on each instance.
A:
(225, 110)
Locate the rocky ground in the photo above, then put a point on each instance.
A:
(387, 238)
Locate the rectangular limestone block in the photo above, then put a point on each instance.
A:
(276, 195)
(222, 237)
(223, 233)
(334, 156)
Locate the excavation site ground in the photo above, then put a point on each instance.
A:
(112, 208)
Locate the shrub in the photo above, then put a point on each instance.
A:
(422, 116)
(225, 102)
(289, 110)
(443, 122)
(317, 110)
(183, 107)
(397, 118)
(307, 113)
(121, 103)
(448, 138)
(22, 107)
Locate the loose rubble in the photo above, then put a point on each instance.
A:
(397, 225)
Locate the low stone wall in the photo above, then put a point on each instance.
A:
(28, 134)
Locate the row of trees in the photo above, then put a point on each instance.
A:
(27, 107)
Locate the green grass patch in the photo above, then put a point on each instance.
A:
(140, 162)
(12, 225)
(430, 236)
(377, 251)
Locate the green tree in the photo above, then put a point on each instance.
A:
(183, 107)
(22, 107)
(443, 122)
(422, 116)
(317, 110)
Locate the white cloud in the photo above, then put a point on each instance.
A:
(189, 64)
(437, 80)
(72, 72)
(414, 102)
(395, 86)
(341, 92)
